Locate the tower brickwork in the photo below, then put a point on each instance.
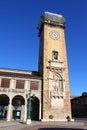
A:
(53, 68)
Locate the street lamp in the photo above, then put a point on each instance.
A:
(29, 106)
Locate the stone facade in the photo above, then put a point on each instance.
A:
(14, 86)
(79, 106)
(56, 101)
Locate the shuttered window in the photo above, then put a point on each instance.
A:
(34, 85)
(5, 83)
(20, 84)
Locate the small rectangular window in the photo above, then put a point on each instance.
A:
(55, 55)
(20, 84)
(34, 85)
(5, 83)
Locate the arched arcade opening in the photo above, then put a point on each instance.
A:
(34, 108)
(4, 101)
(18, 103)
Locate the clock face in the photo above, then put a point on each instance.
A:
(54, 35)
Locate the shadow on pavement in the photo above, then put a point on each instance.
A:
(58, 129)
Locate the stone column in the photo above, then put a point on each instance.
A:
(25, 110)
(12, 81)
(26, 85)
(25, 107)
(22, 112)
(40, 111)
(9, 112)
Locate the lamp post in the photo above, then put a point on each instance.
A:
(29, 109)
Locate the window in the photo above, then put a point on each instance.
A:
(55, 55)
(20, 84)
(34, 85)
(5, 83)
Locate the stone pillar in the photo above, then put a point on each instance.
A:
(12, 83)
(25, 107)
(9, 112)
(22, 112)
(40, 111)
(26, 85)
(25, 110)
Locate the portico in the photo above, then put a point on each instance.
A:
(13, 101)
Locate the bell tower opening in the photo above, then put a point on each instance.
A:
(55, 55)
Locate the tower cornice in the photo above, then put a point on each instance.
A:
(51, 19)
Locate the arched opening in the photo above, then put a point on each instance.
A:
(18, 103)
(4, 101)
(34, 109)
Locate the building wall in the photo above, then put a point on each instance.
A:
(79, 106)
(15, 90)
(62, 109)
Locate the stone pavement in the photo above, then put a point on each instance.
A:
(77, 125)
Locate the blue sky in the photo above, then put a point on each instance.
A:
(19, 42)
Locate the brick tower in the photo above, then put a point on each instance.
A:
(53, 68)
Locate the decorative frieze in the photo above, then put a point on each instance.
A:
(11, 90)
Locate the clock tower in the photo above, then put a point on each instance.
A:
(53, 68)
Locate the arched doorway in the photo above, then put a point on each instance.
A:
(34, 108)
(18, 103)
(4, 101)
